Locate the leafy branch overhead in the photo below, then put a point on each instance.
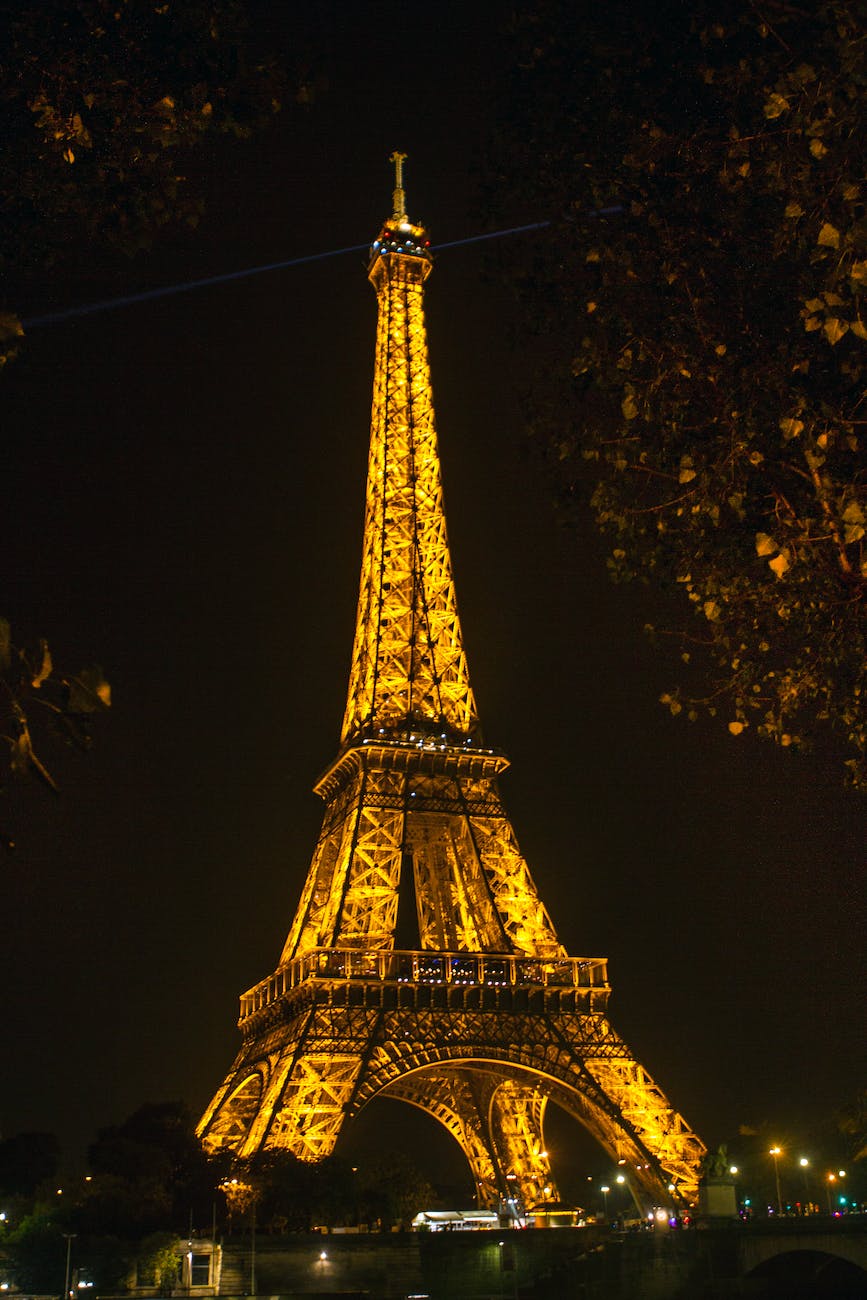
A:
(35, 698)
(712, 339)
(104, 104)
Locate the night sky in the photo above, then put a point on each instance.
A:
(184, 489)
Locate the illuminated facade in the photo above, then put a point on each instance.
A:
(485, 1018)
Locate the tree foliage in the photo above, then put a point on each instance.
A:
(103, 100)
(27, 1162)
(708, 338)
(150, 1183)
(35, 697)
(291, 1195)
(150, 1173)
(34, 1253)
(852, 1122)
(394, 1191)
(104, 103)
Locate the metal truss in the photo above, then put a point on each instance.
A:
(486, 1073)
(433, 816)
(486, 1018)
(408, 662)
(498, 1125)
(452, 1096)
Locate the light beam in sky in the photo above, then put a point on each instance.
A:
(186, 286)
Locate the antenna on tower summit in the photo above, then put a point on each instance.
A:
(398, 196)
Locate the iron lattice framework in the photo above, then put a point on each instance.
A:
(487, 1018)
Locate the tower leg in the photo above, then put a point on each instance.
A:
(516, 1114)
(293, 1091)
(497, 1122)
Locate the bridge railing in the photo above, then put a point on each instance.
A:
(402, 966)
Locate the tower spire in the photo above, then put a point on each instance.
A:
(409, 671)
(398, 195)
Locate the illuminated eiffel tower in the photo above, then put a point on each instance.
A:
(487, 1018)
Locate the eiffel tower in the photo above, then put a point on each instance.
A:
(486, 1019)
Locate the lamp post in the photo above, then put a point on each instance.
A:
(253, 1246)
(805, 1165)
(70, 1237)
(621, 1182)
(830, 1179)
(776, 1152)
(605, 1190)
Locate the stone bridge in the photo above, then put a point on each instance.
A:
(811, 1256)
(790, 1259)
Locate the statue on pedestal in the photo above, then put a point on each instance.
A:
(716, 1187)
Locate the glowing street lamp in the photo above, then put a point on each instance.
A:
(605, 1190)
(829, 1180)
(776, 1152)
(70, 1237)
(805, 1165)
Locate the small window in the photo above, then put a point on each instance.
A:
(200, 1270)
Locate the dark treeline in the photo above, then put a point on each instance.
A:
(148, 1183)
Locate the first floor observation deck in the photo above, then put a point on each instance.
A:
(404, 977)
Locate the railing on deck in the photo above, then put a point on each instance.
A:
(460, 969)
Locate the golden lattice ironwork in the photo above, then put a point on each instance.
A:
(485, 1018)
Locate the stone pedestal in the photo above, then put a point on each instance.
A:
(716, 1197)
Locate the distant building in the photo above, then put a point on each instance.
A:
(454, 1220)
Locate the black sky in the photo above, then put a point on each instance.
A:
(184, 494)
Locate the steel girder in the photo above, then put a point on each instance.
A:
(498, 1125)
(408, 661)
(317, 1068)
(473, 888)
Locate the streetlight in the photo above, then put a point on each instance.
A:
(605, 1190)
(805, 1165)
(70, 1237)
(832, 1178)
(776, 1152)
